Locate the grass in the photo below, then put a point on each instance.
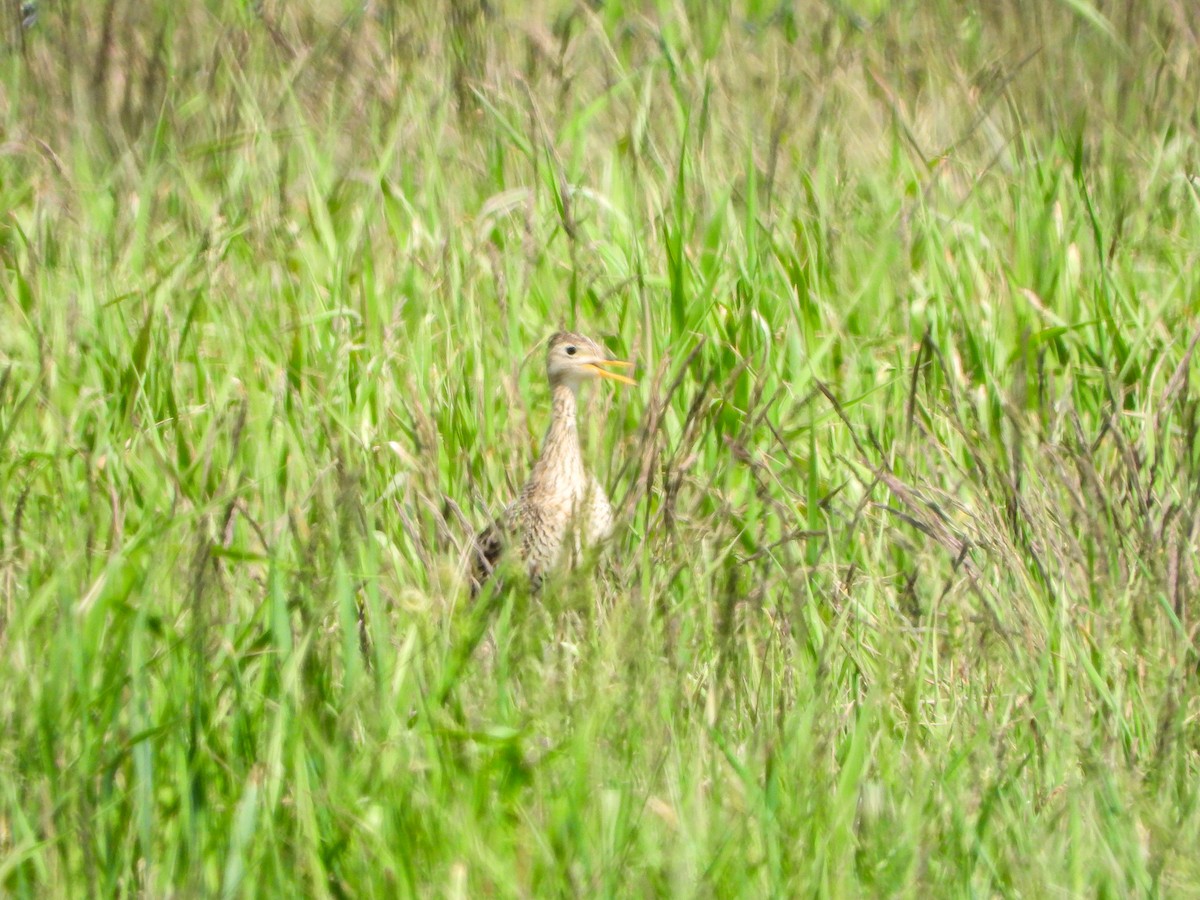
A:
(904, 600)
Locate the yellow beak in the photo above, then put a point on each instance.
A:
(613, 376)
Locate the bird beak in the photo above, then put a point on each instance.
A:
(596, 364)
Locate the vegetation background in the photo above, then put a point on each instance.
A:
(905, 599)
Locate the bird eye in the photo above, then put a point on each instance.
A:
(570, 351)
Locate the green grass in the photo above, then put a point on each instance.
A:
(904, 601)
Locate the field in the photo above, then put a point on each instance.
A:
(904, 600)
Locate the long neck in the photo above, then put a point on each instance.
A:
(560, 448)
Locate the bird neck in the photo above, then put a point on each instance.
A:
(563, 405)
(561, 444)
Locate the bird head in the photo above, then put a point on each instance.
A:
(572, 359)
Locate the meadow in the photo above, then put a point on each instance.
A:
(903, 601)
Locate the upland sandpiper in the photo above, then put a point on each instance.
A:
(561, 507)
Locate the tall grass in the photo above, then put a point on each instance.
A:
(904, 597)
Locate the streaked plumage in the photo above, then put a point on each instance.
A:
(561, 507)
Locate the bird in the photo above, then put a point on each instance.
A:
(561, 507)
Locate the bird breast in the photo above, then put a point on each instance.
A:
(599, 525)
(566, 518)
